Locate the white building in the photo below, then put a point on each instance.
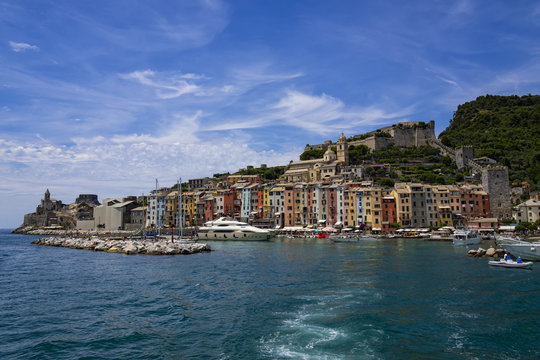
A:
(113, 214)
(528, 211)
(155, 214)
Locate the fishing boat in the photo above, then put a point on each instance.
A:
(466, 236)
(511, 263)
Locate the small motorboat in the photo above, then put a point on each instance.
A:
(509, 263)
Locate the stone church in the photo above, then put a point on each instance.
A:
(47, 213)
(326, 168)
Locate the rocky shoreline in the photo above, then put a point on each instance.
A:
(128, 247)
(29, 230)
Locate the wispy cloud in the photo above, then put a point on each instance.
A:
(262, 73)
(167, 88)
(321, 114)
(21, 47)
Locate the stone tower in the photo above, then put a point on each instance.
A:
(463, 155)
(343, 150)
(496, 184)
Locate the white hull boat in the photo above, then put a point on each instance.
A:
(231, 230)
(466, 237)
(511, 264)
(524, 249)
(344, 238)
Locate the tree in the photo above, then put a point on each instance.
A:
(312, 154)
(386, 182)
(370, 171)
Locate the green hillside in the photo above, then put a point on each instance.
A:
(504, 128)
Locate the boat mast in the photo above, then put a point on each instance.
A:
(158, 226)
(180, 222)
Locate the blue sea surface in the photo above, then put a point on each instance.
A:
(285, 299)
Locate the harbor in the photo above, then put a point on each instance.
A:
(280, 299)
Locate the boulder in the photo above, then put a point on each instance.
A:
(130, 249)
(490, 252)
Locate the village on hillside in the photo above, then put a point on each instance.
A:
(327, 192)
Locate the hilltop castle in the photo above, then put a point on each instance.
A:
(401, 134)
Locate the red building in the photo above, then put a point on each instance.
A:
(474, 203)
(208, 209)
(289, 206)
(389, 213)
(228, 202)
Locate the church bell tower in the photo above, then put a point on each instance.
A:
(343, 150)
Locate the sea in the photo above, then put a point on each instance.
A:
(283, 299)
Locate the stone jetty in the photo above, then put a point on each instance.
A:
(491, 252)
(128, 247)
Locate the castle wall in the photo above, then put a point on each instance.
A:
(318, 146)
(87, 198)
(414, 135)
(35, 220)
(374, 143)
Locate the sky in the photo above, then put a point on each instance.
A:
(105, 97)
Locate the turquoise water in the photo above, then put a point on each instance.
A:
(287, 299)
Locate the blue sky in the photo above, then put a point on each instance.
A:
(106, 96)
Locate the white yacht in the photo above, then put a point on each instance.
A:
(466, 237)
(223, 229)
(524, 249)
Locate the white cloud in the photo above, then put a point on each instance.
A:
(322, 114)
(261, 73)
(167, 87)
(21, 47)
(128, 164)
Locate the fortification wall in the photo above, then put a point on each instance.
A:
(407, 135)
(35, 220)
(318, 146)
(374, 143)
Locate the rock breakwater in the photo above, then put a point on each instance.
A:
(491, 252)
(128, 247)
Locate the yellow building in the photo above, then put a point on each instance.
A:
(403, 204)
(372, 199)
(441, 204)
(188, 208)
(350, 193)
(267, 208)
(171, 209)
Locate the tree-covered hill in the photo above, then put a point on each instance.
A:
(504, 128)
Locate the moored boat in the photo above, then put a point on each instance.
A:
(524, 249)
(441, 235)
(466, 236)
(223, 229)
